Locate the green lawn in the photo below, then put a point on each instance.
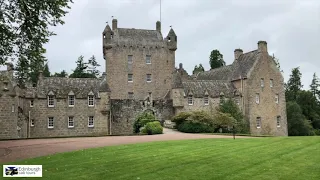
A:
(254, 158)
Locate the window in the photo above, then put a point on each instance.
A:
(130, 77)
(278, 121)
(90, 121)
(32, 122)
(31, 103)
(70, 122)
(50, 101)
(130, 61)
(12, 108)
(71, 100)
(262, 82)
(190, 100)
(50, 122)
(258, 122)
(150, 94)
(148, 77)
(271, 82)
(238, 101)
(257, 98)
(90, 100)
(206, 100)
(277, 98)
(148, 59)
(130, 95)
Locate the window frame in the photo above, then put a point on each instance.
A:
(69, 100)
(148, 57)
(51, 97)
(130, 60)
(130, 78)
(70, 118)
(31, 103)
(206, 100)
(31, 122)
(89, 100)
(278, 121)
(262, 82)
(149, 79)
(89, 118)
(50, 118)
(258, 122)
(277, 98)
(190, 99)
(130, 94)
(271, 83)
(257, 98)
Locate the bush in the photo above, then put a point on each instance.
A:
(194, 127)
(152, 128)
(142, 120)
(181, 117)
(317, 132)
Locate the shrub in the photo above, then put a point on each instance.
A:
(181, 117)
(152, 128)
(195, 127)
(142, 120)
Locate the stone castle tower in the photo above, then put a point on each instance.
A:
(139, 62)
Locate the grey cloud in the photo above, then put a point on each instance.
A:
(291, 28)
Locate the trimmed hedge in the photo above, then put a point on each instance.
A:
(152, 128)
(193, 127)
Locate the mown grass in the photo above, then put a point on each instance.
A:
(252, 158)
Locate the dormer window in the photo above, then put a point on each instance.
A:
(190, 100)
(262, 82)
(91, 99)
(71, 98)
(50, 99)
(206, 100)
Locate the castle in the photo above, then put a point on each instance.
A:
(141, 76)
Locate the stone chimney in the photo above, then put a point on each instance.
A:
(262, 46)
(114, 24)
(40, 77)
(237, 53)
(158, 26)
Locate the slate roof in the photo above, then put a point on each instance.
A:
(61, 87)
(213, 87)
(138, 37)
(238, 68)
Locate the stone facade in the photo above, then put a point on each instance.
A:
(141, 76)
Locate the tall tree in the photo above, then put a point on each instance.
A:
(315, 85)
(297, 124)
(93, 65)
(81, 70)
(198, 69)
(46, 71)
(24, 26)
(216, 59)
(63, 73)
(294, 85)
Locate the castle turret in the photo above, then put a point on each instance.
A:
(107, 35)
(172, 40)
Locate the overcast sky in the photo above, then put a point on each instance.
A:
(291, 29)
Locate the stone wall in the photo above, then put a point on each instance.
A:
(267, 108)
(124, 112)
(40, 112)
(161, 68)
(198, 104)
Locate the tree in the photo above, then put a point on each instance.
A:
(81, 70)
(315, 84)
(297, 124)
(93, 66)
(294, 85)
(216, 59)
(63, 73)
(46, 72)
(24, 27)
(198, 69)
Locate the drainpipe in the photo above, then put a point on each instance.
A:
(110, 123)
(28, 128)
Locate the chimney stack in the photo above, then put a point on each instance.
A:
(114, 24)
(180, 66)
(262, 46)
(158, 26)
(40, 77)
(237, 53)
